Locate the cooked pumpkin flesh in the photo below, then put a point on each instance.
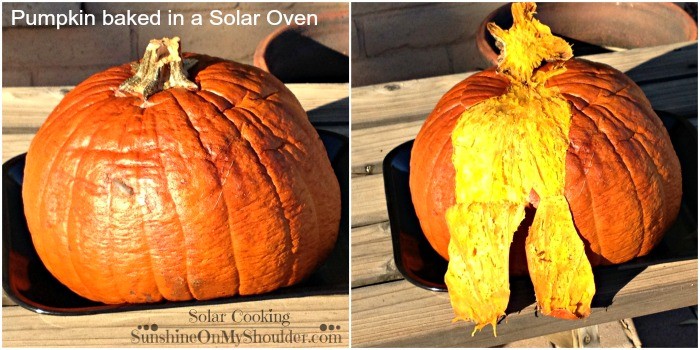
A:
(506, 148)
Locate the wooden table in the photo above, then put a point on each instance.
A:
(389, 311)
(24, 109)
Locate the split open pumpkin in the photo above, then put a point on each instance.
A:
(575, 142)
(144, 184)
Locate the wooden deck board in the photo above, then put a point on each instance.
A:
(398, 314)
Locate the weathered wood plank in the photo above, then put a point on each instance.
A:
(373, 255)
(398, 314)
(27, 108)
(7, 301)
(14, 144)
(407, 100)
(371, 145)
(306, 314)
(368, 200)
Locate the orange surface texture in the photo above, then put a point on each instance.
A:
(222, 191)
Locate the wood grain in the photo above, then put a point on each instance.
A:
(373, 255)
(368, 200)
(383, 118)
(306, 315)
(398, 314)
(14, 144)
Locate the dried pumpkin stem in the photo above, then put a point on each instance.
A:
(526, 44)
(160, 68)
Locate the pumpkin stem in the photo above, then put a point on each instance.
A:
(526, 44)
(160, 68)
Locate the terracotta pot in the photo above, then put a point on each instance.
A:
(307, 54)
(601, 27)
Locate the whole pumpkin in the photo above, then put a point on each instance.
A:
(143, 185)
(574, 142)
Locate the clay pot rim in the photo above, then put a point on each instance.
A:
(259, 55)
(492, 56)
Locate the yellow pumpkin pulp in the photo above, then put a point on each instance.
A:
(510, 150)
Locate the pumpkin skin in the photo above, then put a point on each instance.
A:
(203, 194)
(622, 182)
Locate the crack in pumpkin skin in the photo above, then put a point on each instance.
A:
(508, 150)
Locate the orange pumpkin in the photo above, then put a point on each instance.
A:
(152, 187)
(576, 142)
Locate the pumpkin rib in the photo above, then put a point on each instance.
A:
(625, 166)
(177, 212)
(586, 239)
(301, 147)
(287, 221)
(280, 204)
(274, 186)
(209, 158)
(71, 207)
(146, 239)
(285, 214)
(649, 127)
(167, 191)
(80, 116)
(197, 135)
(447, 148)
(596, 223)
(315, 238)
(300, 258)
(222, 197)
(429, 177)
(260, 166)
(654, 174)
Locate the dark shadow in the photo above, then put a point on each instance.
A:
(656, 330)
(336, 113)
(415, 258)
(336, 270)
(27, 281)
(295, 58)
